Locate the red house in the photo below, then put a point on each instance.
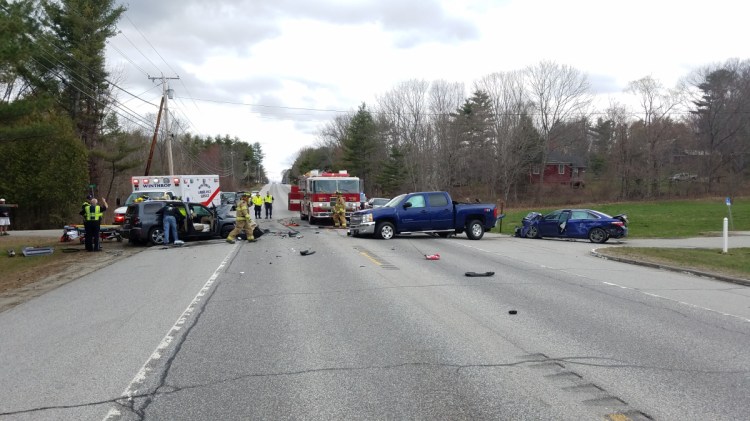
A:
(560, 169)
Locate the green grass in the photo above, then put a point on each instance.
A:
(19, 270)
(668, 219)
(736, 262)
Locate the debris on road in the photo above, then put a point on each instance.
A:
(432, 256)
(306, 252)
(474, 274)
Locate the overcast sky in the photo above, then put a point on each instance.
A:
(275, 71)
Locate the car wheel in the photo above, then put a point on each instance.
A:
(385, 230)
(533, 232)
(156, 236)
(475, 230)
(598, 235)
(225, 230)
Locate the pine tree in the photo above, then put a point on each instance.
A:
(359, 144)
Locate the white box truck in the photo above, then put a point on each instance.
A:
(203, 189)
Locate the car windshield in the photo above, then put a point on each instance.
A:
(332, 186)
(395, 201)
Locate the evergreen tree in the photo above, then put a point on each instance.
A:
(391, 176)
(43, 165)
(79, 30)
(359, 144)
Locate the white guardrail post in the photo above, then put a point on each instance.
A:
(726, 235)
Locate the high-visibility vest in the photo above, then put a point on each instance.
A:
(257, 200)
(95, 215)
(269, 199)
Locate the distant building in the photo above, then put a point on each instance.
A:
(561, 170)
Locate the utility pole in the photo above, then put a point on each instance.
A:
(167, 94)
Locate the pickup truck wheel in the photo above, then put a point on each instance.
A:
(474, 230)
(385, 230)
(156, 236)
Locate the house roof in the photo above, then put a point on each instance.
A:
(556, 157)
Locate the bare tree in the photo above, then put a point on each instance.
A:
(405, 112)
(719, 96)
(331, 138)
(515, 142)
(558, 93)
(444, 98)
(656, 104)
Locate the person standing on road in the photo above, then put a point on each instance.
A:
(5, 217)
(268, 202)
(339, 211)
(169, 222)
(258, 204)
(92, 218)
(243, 222)
(362, 200)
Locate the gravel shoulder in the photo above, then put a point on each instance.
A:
(73, 263)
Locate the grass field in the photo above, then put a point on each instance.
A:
(735, 263)
(669, 219)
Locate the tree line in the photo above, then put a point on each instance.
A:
(424, 135)
(64, 133)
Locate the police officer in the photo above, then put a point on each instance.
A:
(258, 204)
(268, 202)
(243, 222)
(92, 218)
(339, 211)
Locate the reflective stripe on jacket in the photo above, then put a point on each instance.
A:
(95, 215)
(242, 213)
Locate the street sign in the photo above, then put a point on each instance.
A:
(729, 201)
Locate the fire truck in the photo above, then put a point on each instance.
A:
(317, 193)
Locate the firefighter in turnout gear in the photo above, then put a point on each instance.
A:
(244, 223)
(339, 211)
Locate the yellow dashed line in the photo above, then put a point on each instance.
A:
(372, 259)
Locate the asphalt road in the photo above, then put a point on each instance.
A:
(370, 329)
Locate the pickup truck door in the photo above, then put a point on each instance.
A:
(413, 214)
(441, 212)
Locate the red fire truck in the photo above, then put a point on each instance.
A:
(317, 193)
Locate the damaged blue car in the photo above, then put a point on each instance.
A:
(597, 227)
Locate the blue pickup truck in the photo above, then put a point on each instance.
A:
(428, 212)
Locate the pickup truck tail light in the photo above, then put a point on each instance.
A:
(494, 213)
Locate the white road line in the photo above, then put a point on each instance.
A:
(146, 368)
(628, 288)
(651, 294)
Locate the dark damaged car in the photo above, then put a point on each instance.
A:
(597, 227)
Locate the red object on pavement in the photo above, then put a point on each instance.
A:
(432, 256)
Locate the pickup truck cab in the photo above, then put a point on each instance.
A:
(427, 212)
